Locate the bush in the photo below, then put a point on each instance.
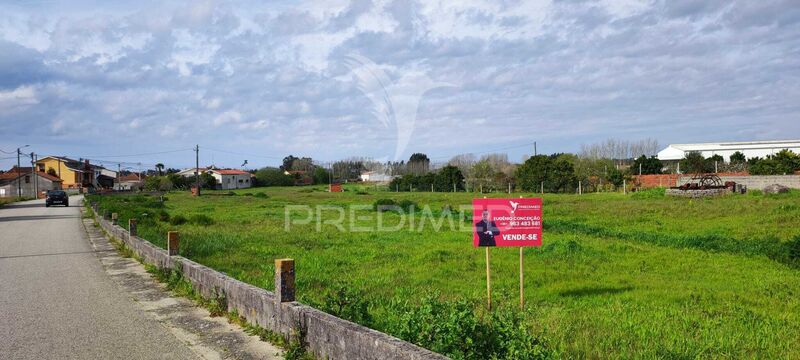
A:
(456, 330)
(260, 195)
(384, 205)
(178, 220)
(793, 251)
(406, 205)
(652, 193)
(201, 219)
(347, 302)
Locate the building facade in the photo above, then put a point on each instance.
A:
(30, 185)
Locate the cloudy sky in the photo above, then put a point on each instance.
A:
(332, 79)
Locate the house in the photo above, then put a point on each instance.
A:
(73, 173)
(375, 176)
(131, 181)
(750, 149)
(28, 183)
(230, 178)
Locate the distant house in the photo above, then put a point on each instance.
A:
(131, 182)
(375, 176)
(76, 173)
(228, 179)
(27, 182)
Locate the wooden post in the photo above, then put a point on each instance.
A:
(580, 187)
(521, 281)
(509, 188)
(454, 187)
(284, 280)
(173, 243)
(132, 227)
(488, 281)
(542, 188)
(624, 187)
(114, 218)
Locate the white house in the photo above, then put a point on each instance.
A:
(231, 179)
(375, 176)
(750, 149)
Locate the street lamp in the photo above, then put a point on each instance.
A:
(19, 171)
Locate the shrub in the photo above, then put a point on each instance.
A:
(347, 302)
(406, 205)
(247, 194)
(201, 219)
(793, 251)
(178, 220)
(456, 330)
(384, 205)
(260, 195)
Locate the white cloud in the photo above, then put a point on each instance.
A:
(228, 117)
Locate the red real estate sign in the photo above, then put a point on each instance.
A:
(507, 222)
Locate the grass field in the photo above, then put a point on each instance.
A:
(619, 276)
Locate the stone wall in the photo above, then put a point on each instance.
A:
(755, 182)
(324, 335)
(697, 193)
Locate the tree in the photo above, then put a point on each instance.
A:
(481, 175)
(649, 165)
(288, 162)
(418, 164)
(161, 183)
(321, 175)
(448, 176)
(273, 177)
(694, 163)
(160, 169)
(784, 162)
(555, 172)
(737, 158)
(208, 181)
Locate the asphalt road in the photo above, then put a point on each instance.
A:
(56, 301)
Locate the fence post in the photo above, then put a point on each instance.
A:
(114, 218)
(284, 280)
(132, 227)
(173, 242)
(105, 215)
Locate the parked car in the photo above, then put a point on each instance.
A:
(56, 197)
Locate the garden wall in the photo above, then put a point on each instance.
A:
(322, 334)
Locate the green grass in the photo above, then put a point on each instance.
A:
(620, 276)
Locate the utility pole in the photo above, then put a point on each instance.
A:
(19, 171)
(35, 176)
(640, 168)
(119, 170)
(534, 148)
(197, 167)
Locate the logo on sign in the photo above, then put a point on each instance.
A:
(513, 206)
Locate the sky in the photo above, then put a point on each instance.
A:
(143, 82)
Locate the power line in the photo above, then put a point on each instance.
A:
(242, 154)
(488, 151)
(142, 154)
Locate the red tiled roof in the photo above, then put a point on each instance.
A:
(130, 177)
(231, 172)
(11, 175)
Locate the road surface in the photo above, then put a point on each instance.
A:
(57, 302)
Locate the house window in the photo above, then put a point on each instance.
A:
(27, 179)
(240, 181)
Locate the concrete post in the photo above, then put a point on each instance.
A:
(105, 215)
(132, 227)
(284, 280)
(173, 242)
(114, 218)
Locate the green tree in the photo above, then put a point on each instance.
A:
(321, 175)
(160, 169)
(694, 163)
(208, 181)
(649, 165)
(273, 177)
(737, 158)
(446, 177)
(418, 164)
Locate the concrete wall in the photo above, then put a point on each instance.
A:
(756, 181)
(324, 335)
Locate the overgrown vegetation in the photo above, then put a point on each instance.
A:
(630, 276)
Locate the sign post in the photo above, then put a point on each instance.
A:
(507, 222)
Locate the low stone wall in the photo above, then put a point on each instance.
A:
(324, 335)
(697, 193)
(754, 182)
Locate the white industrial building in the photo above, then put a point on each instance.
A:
(750, 149)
